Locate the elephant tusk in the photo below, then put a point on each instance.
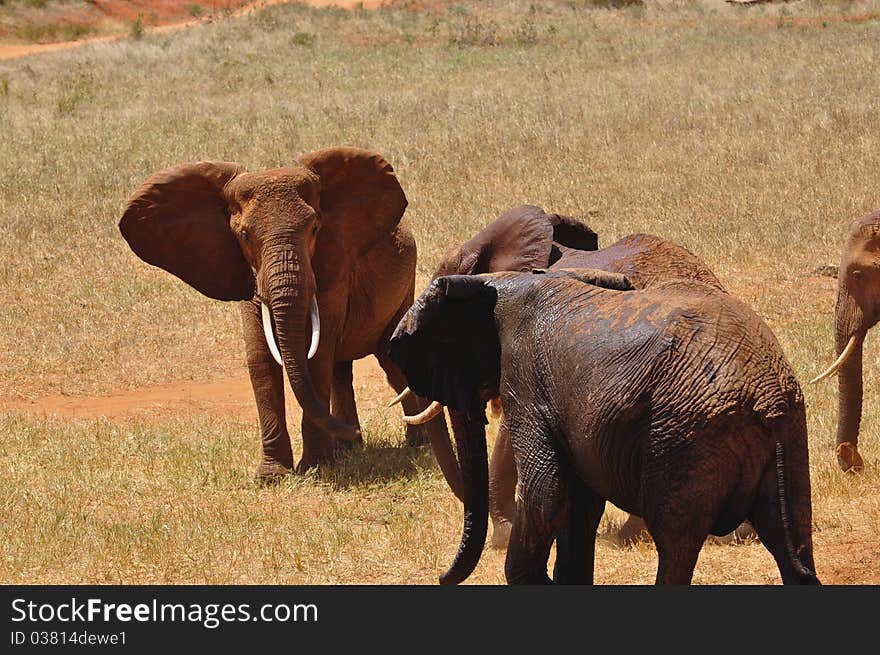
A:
(401, 397)
(839, 362)
(270, 336)
(423, 417)
(316, 327)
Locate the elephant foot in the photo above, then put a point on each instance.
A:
(327, 455)
(501, 529)
(341, 447)
(269, 473)
(633, 530)
(848, 458)
(306, 464)
(744, 532)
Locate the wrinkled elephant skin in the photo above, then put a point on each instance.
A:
(674, 402)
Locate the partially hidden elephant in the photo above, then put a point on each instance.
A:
(324, 267)
(857, 310)
(526, 238)
(674, 402)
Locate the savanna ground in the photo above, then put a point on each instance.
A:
(128, 436)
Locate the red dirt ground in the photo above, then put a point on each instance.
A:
(117, 16)
(231, 397)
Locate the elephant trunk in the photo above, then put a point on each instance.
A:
(470, 440)
(849, 326)
(290, 292)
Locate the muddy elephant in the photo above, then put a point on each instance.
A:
(323, 266)
(857, 310)
(521, 239)
(526, 238)
(673, 402)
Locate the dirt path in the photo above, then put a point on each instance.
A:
(14, 51)
(226, 397)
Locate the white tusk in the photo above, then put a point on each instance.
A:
(270, 337)
(423, 417)
(403, 395)
(316, 327)
(838, 363)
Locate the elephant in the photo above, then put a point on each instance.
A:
(674, 402)
(856, 311)
(526, 238)
(323, 265)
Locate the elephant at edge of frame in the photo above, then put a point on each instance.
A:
(856, 311)
(526, 238)
(675, 402)
(324, 267)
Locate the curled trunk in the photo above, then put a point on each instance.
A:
(470, 440)
(290, 297)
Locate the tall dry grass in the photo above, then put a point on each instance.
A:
(751, 137)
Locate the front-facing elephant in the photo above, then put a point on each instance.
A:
(324, 266)
(857, 311)
(674, 402)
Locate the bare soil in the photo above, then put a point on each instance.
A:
(109, 20)
(230, 396)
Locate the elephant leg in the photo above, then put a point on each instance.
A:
(541, 510)
(342, 400)
(680, 511)
(766, 516)
(679, 526)
(677, 555)
(576, 541)
(319, 447)
(633, 530)
(502, 487)
(267, 381)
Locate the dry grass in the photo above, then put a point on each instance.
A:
(748, 136)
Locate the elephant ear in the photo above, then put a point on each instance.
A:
(179, 221)
(521, 239)
(571, 233)
(447, 344)
(360, 196)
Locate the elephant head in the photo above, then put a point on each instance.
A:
(521, 239)
(856, 311)
(234, 235)
(448, 348)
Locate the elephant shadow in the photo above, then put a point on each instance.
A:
(383, 458)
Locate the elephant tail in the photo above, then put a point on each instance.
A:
(802, 570)
(786, 482)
